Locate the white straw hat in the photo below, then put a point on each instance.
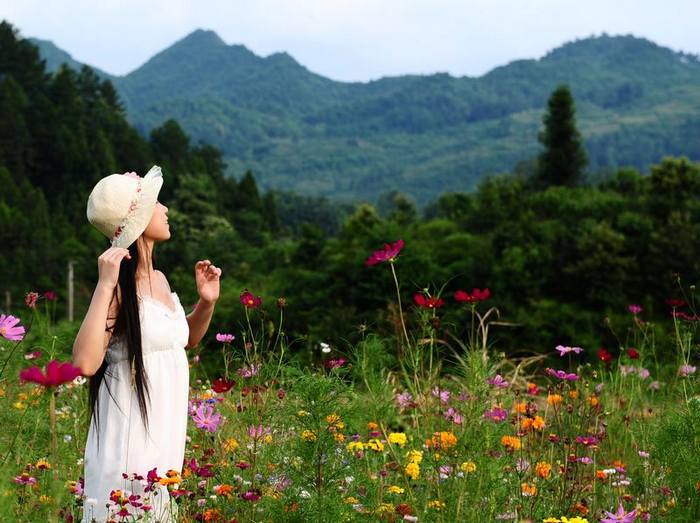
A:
(120, 206)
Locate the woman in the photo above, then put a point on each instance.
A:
(131, 344)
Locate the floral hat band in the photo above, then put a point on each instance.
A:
(120, 206)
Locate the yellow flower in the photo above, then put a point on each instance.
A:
(528, 489)
(414, 456)
(334, 419)
(44, 498)
(19, 405)
(436, 504)
(375, 445)
(551, 520)
(267, 438)
(511, 442)
(352, 500)
(543, 469)
(575, 519)
(339, 437)
(412, 470)
(308, 435)
(172, 477)
(23, 396)
(356, 446)
(43, 464)
(468, 467)
(230, 445)
(393, 489)
(302, 413)
(384, 508)
(372, 425)
(397, 437)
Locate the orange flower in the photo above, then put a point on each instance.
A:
(573, 394)
(520, 408)
(223, 490)
(212, 514)
(372, 425)
(554, 399)
(526, 424)
(511, 442)
(593, 400)
(543, 469)
(442, 440)
(581, 508)
(528, 490)
(600, 474)
(538, 423)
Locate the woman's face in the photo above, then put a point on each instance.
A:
(158, 228)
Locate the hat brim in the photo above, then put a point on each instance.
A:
(141, 217)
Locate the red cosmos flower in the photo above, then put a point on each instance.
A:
(633, 353)
(604, 355)
(388, 253)
(430, 302)
(50, 295)
(250, 301)
(476, 295)
(57, 373)
(673, 302)
(222, 385)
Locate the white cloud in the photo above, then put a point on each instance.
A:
(351, 39)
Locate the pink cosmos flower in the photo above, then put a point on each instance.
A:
(620, 516)
(32, 355)
(335, 363)
(206, 418)
(9, 328)
(224, 338)
(454, 416)
(249, 372)
(388, 253)
(251, 495)
(443, 395)
(57, 373)
(686, 370)
(405, 400)
(498, 382)
(565, 350)
(562, 375)
(258, 432)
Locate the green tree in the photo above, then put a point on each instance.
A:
(563, 158)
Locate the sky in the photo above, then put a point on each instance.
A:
(351, 40)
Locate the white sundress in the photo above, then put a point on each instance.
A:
(124, 444)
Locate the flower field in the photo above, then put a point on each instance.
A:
(424, 426)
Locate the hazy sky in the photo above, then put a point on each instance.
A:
(351, 40)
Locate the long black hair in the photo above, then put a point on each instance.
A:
(128, 328)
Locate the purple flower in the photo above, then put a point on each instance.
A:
(654, 385)
(627, 369)
(206, 418)
(258, 432)
(444, 395)
(587, 440)
(334, 363)
(686, 370)
(496, 414)
(620, 516)
(405, 400)
(224, 337)
(565, 350)
(251, 495)
(497, 381)
(522, 465)
(585, 460)
(445, 471)
(562, 375)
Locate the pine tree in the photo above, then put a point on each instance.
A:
(563, 158)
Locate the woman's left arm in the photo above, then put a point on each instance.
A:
(206, 276)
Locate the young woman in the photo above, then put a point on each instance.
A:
(131, 344)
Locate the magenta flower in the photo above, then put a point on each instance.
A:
(477, 295)
(334, 363)
(388, 253)
(634, 309)
(50, 295)
(587, 441)
(205, 417)
(57, 373)
(251, 495)
(454, 416)
(497, 381)
(496, 414)
(25, 479)
(405, 400)
(565, 350)
(562, 375)
(224, 338)
(620, 516)
(9, 328)
(249, 301)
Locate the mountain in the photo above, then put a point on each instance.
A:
(55, 57)
(422, 134)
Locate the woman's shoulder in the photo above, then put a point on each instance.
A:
(162, 276)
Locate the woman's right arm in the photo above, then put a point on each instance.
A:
(93, 337)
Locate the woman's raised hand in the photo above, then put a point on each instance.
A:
(108, 264)
(207, 275)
